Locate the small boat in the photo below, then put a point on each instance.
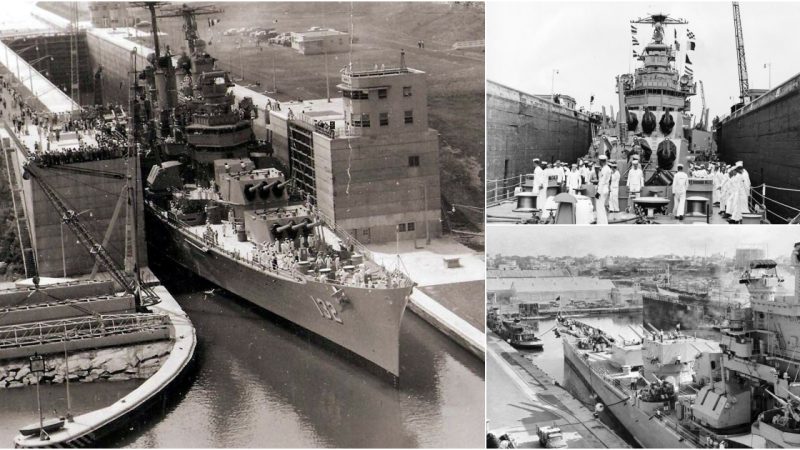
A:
(521, 336)
(48, 425)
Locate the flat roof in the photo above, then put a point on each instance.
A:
(320, 110)
(312, 34)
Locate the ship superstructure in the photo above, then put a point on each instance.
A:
(656, 99)
(741, 390)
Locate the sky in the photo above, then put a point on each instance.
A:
(589, 43)
(638, 241)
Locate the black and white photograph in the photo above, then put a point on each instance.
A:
(618, 337)
(242, 224)
(642, 113)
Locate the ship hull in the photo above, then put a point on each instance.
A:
(366, 323)
(666, 315)
(647, 431)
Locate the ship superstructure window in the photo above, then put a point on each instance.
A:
(406, 91)
(409, 117)
(401, 228)
(411, 226)
(360, 120)
(382, 93)
(413, 161)
(384, 119)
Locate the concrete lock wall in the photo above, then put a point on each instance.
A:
(116, 65)
(521, 127)
(57, 45)
(371, 188)
(95, 195)
(767, 138)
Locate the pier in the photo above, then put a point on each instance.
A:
(523, 397)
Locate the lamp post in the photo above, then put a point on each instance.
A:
(66, 378)
(37, 368)
(768, 66)
(30, 70)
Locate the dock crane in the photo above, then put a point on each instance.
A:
(744, 85)
(188, 13)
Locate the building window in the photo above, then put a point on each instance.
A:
(401, 228)
(406, 91)
(382, 93)
(356, 95)
(409, 118)
(413, 161)
(384, 119)
(360, 95)
(360, 120)
(410, 226)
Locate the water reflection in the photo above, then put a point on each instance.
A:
(263, 384)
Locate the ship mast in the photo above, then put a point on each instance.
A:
(132, 179)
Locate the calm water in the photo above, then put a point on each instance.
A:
(259, 384)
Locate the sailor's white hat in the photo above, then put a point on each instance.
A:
(603, 157)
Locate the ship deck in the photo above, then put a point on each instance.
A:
(600, 364)
(260, 256)
(504, 212)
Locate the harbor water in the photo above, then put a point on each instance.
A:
(260, 383)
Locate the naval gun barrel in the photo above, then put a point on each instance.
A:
(266, 187)
(284, 228)
(305, 224)
(253, 189)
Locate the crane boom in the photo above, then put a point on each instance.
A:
(744, 85)
(85, 238)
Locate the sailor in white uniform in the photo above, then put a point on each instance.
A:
(635, 181)
(574, 180)
(680, 183)
(613, 194)
(738, 190)
(745, 198)
(539, 184)
(603, 190)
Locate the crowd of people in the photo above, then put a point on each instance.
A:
(601, 181)
(51, 127)
(325, 264)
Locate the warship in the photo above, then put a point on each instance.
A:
(215, 206)
(654, 126)
(739, 390)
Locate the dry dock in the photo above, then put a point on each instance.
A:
(523, 397)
